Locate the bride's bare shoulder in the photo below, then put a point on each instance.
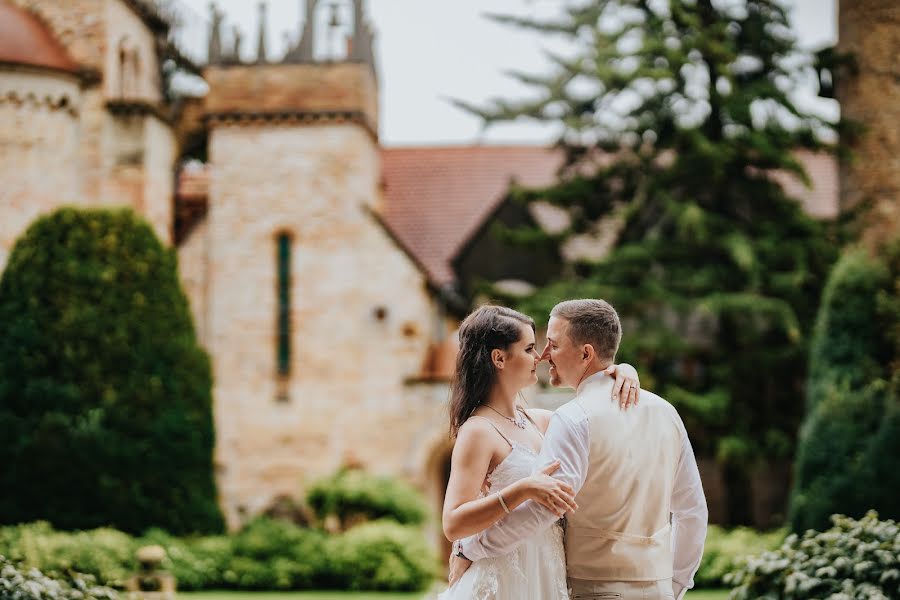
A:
(541, 417)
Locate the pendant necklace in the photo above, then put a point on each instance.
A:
(518, 421)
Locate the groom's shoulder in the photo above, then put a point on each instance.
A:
(655, 402)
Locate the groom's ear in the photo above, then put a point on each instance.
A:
(587, 352)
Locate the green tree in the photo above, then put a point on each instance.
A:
(105, 395)
(851, 437)
(677, 121)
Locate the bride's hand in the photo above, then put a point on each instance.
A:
(627, 386)
(550, 492)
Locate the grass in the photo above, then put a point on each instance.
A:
(297, 596)
(696, 595)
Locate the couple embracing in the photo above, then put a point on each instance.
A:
(615, 461)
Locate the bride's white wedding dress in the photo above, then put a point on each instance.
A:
(535, 570)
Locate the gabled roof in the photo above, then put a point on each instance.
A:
(435, 198)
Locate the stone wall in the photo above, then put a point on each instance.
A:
(362, 317)
(131, 67)
(39, 147)
(870, 30)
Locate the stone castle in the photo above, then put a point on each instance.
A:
(319, 265)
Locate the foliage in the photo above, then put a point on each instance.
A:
(265, 555)
(852, 560)
(845, 461)
(727, 550)
(18, 583)
(677, 125)
(383, 555)
(105, 395)
(353, 495)
(106, 554)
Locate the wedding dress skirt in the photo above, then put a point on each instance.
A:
(535, 570)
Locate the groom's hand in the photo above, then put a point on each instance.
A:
(458, 566)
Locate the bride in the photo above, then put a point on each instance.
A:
(497, 443)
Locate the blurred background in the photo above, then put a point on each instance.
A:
(237, 240)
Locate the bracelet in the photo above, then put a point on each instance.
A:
(502, 503)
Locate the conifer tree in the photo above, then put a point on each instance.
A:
(676, 118)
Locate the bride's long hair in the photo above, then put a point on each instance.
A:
(488, 328)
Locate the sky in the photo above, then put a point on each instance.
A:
(431, 51)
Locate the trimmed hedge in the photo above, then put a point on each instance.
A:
(265, 555)
(354, 495)
(851, 436)
(854, 559)
(105, 394)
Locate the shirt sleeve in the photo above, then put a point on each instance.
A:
(689, 518)
(566, 441)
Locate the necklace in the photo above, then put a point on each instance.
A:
(518, 421)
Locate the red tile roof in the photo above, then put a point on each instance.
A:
(435, 198)
(25, 40)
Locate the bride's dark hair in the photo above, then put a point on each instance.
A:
(487, 328)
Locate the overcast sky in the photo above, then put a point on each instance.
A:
(432, 50)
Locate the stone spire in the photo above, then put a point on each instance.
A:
(363, 38)
(304, 50)
(214, 55)
(261, 47)
(236, 50)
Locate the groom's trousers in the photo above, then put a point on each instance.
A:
(621, 590)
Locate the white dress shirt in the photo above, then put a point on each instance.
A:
(568, 441)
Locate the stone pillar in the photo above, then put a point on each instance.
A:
(870, 30)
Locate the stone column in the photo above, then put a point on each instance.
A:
(870, 30)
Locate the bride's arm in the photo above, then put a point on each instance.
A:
(464, 513)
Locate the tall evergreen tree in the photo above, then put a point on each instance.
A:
(676, 117)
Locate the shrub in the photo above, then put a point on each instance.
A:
(197, 563)
(383, 555)
(850, 436)
(848, 345)
(726, 550)
(105, 395)
(354, 495)
(854, 559)
(271, 554)
(106, 554)
(18, 583)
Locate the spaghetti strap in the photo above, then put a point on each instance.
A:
(497, 429)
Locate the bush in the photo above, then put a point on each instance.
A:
(850, 437)
(854, 559)
(265, 555)
(725, 551)
(848, 345)
(354, 495)
(106, 554)
(383, 555)
(105, 395)
(17, 583)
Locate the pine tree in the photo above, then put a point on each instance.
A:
(676, 116)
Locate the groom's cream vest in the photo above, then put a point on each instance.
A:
(621, 530)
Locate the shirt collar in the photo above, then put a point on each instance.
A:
(598, 376)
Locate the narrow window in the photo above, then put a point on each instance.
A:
(284, 305)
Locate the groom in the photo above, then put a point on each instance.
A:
(641, 522)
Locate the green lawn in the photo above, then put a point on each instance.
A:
(698, 595)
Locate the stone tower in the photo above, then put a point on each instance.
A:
(870, 30)
(314, 317)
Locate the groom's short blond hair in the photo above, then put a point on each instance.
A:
(593, 322)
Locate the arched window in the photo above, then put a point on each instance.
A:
(283, 312)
